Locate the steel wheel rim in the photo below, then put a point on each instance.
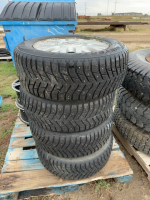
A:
(15, 84)
(71, 45)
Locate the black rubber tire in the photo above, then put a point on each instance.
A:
(39, 11)
(77, 168)
(71, 77)
(4, 52)
(136, 136)
(72, 145)
(134, 109)
(137, 80)
(66, 117)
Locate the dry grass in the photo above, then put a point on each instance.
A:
(130, 29)
(8, 110)
(115, 18)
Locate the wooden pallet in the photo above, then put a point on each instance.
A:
(23, 175)
(6, 58)
(1, 29)
(143, 159)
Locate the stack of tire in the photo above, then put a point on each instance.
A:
(68, 86)
(132, 114)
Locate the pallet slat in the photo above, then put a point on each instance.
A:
(37, 179)
(22, 165)
(21, 131)
(20, 154)
(6, 58)
(21, 142)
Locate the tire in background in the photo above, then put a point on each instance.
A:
(137, 80)
(134, 109)
(136, 136)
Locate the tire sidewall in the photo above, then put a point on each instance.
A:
(115, 47)
(140, 58)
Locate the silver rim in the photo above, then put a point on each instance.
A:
(15, 84)
(71, 45)
(19, 105)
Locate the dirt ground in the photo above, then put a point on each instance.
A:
(133, 39)
(6, 123)
(96, 27)
(139, 188)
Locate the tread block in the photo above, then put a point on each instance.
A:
(67, 117)
(137, 79)
(136, 136)
(134, 109)
(32, 176)
(72, 78)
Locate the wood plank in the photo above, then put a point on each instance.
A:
(1, 29)
(6, 58)
(18, 121)
(21, 142)
(143, 159)
(117, 166)
(20, 154)
(22, 165)
(21, 131)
